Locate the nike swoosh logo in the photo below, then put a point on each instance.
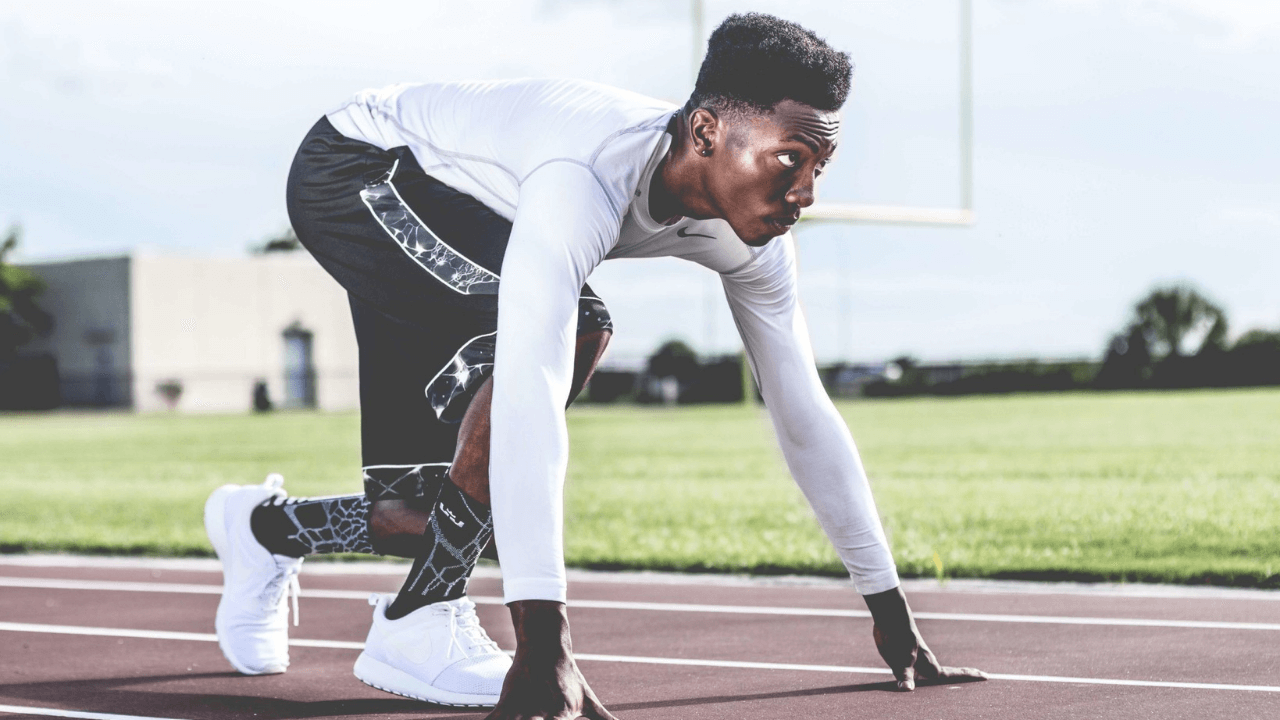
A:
(681, 232)
(414, 647)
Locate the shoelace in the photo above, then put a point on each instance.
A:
(286, 581)
(469, 625)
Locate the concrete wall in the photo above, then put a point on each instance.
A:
(216, 326)
(89, 300)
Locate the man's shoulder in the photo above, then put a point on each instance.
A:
(581, 100)
(606, 128)
(593, 97)
(607, 120)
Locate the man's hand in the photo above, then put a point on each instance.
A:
(903, 649)
(544, 682)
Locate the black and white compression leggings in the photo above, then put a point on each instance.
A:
(458, 529)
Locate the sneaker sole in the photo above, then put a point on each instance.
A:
(377, 674)
(215, 526)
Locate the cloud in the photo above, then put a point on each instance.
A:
(1217, 24)
(62, 60)
(1229, 24)
(1249, 217)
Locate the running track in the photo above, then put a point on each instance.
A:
(97, 638)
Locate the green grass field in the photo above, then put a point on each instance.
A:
(1177, 486)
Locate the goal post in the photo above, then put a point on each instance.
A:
(902, 215)
(961, 216)
(887, 214)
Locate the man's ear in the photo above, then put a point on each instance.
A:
(706, 131)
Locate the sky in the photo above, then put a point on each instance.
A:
(1118, 145)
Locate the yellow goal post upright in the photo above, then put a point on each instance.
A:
(863, 214)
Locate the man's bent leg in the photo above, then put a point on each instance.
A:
(297, 527)
(459, 524)
(470, 470)
(425, 332)
(444, 527)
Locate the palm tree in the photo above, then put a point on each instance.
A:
(21, 319)
(1172, 313)
(285, 241)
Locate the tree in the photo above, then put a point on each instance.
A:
(1255, 358)
(286, 241)
(1177, 338)
(1171, 315)
(1269, 341)
(674, 359)
(903, 369)
(21, 319)
(1127, 363)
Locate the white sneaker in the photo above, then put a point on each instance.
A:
(253, 616)
(438, 653)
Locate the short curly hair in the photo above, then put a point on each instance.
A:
(755, 60)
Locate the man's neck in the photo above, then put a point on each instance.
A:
(676, 189)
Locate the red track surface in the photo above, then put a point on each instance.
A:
(188, 678)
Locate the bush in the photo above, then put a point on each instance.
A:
(986, 378)
(29, 382)
(1255, 359)
(608, 386)
(717, 381)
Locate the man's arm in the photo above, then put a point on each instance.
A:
(815, 441)
(561, 232)
(820, 453)
(555, 243)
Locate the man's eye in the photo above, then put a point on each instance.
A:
(789, 159)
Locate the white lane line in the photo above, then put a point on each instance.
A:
(637, 659)
(59, 712)
(885, 671)
(188, 588)
(1125, 622)
(158, 634)
(737, 664)
(1134, 683)
(654, 577)
(66, 584)
(330, 644)
(106, 632)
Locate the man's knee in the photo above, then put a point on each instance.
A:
(591, 346)
(470, 468)
(587, 355)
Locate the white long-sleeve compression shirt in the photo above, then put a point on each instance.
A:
(570, 163)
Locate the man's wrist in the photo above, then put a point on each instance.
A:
(889, 609)
(542, 628)
(895, 633)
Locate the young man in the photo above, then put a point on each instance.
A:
(464, 219)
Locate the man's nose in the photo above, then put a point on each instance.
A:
(802, 194)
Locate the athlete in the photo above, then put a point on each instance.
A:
(463, 219)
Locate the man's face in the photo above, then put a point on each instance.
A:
(765, 170)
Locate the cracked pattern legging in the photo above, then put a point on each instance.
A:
(314, 526)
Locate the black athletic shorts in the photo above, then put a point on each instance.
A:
(420, 262)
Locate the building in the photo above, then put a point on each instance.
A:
(198, 334)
